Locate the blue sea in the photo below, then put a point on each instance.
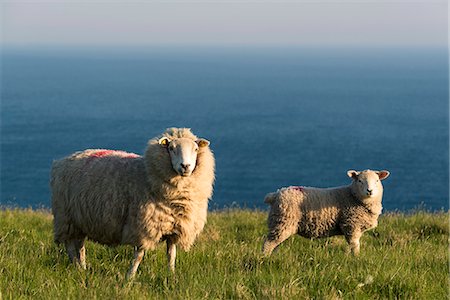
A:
(275, 116)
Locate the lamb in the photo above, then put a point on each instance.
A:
(115, 197)
(317, 212)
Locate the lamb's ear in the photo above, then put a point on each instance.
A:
(352, 174)
(164, 142)
(202, 142)
(383, 174)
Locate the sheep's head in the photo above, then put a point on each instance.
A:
(183, 153)
(367, 184)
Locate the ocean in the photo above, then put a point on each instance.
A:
(275, 116)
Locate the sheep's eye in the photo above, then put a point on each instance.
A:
(359, 180)
(196, 149)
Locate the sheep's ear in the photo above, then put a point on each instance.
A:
(352, 174)
(383, 174)
(164, 142)
(202, 142)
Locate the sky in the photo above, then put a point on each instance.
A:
(143, 23)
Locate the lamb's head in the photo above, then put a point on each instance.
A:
(183, 153)
(367, 184)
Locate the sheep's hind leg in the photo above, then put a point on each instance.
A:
(76, 252)
(171, 254)
(138, 255)
(276, 238)
(269, 246)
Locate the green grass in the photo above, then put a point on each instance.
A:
(406, 257)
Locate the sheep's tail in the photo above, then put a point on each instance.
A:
(270, 197)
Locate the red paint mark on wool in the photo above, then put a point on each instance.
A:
(297, 188)
(103, 153)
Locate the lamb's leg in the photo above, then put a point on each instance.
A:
(269, 246)
(76, 252)
(353, 240)
(283, 221)
(171, 254)
(138, 255)
(276, 237)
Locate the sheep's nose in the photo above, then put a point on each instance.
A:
(185, 166)
(369, 191)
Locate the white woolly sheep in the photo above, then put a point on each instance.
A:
(323, 212)
(115, 197)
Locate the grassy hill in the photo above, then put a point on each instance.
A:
(405, 257)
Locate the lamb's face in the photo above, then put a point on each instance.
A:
(367, 184)
(183, 153)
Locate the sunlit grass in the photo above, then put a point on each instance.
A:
(405, 257)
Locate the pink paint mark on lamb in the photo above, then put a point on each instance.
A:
(103, 153)
(297, 188)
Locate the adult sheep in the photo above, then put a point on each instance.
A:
(316, 212)
(115, 197)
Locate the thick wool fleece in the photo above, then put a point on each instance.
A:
(315, 212)
(114, 197)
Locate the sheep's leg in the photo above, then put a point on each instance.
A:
(82, 255)
(171, 254)
(268, 247)
(138, 255)
(76, 252)
(353, 241)
(282, 222)
(70, 249)
(275, 238)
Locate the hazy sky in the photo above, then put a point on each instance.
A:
(140, 23)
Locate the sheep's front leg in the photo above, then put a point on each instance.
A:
(77, 252)
(171, 254)
(82, 253)
(138, 255)
(353, 241)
